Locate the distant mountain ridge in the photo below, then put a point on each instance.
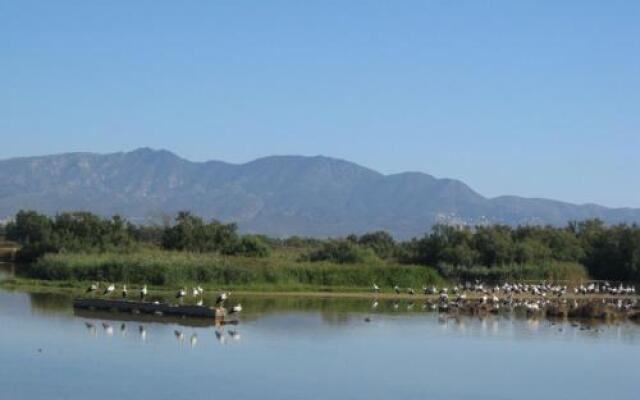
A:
(277, 195)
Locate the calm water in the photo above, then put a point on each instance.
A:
(308, 349)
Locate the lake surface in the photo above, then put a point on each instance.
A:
(296, 348)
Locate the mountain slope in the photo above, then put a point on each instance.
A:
(279, 195)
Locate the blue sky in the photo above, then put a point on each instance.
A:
(535, 98)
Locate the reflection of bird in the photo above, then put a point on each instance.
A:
(193, 340)
(92, 288)
(125, 292)
(107, 328)
(200, 301)
(235, 335)
(143, 333)
(236, 309)
(374, 304)
(109, 289)
(123, 328)
(143, 292)
(220, 337)
(91, 328)
(179, 335)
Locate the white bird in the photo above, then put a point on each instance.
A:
(375, 287)
(236, 309)
(195, 292)
(110, 289)
(181, 293)
(143, 292)
(222, 297)
(92, 288)
(397, 289)
(201, 290)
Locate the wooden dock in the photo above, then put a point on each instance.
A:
(152, 308)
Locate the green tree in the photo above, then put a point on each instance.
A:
(380, 242)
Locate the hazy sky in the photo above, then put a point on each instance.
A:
(535, 98)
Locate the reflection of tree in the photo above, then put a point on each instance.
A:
(7, 270)
(51, 302)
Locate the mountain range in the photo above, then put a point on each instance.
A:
(278, 195)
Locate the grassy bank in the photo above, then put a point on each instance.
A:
(551, 271)
(282, 271)
(279, 272)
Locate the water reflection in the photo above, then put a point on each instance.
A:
(7, 270)
(312, 341)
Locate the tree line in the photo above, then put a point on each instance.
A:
(74, 232)
(607, 252)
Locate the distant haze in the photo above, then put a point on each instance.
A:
(278, 195)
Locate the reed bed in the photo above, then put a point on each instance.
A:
(168, 268)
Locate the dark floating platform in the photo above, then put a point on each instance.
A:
(216, 314)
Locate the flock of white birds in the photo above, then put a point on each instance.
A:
(197, 293)
(532, 297)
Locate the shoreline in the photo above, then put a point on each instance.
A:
(46, 286)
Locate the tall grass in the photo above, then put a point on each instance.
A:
(554, 271)
(166, 268)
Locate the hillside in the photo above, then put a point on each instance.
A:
(278, 195)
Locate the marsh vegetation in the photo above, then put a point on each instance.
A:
(79, 246)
